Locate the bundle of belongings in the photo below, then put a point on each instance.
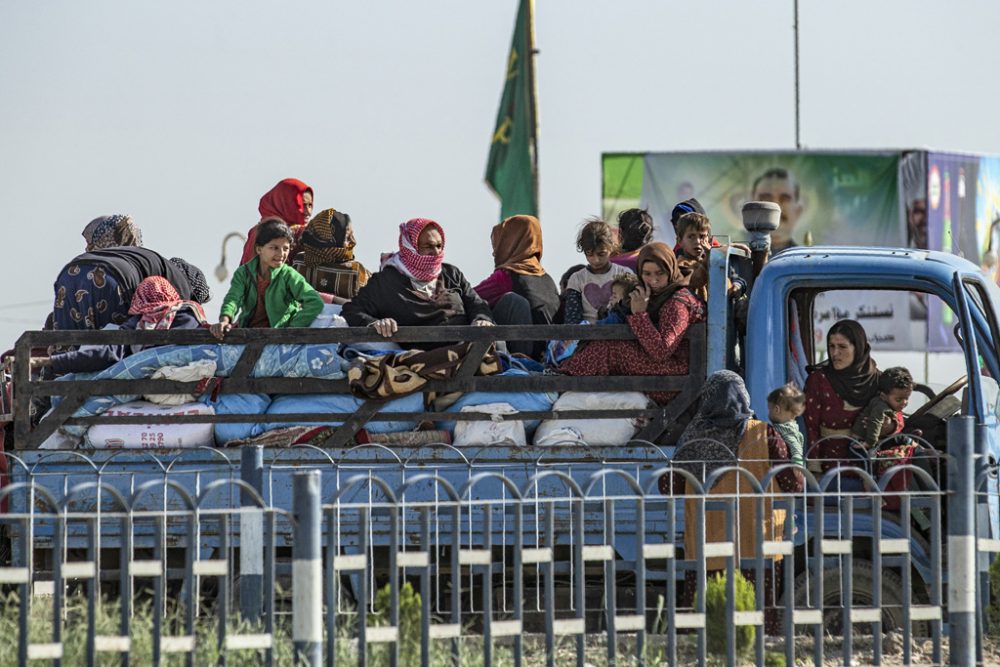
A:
(400, 373)
(396, 379)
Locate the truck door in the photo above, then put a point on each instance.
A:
(976, 304)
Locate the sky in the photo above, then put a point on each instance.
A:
(184, 113)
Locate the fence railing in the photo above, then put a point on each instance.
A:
(547, 568)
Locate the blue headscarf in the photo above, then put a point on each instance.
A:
(722, 418)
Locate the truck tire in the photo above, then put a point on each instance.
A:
(863, 581)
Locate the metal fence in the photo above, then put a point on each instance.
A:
(550, 567)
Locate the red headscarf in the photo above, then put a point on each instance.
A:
(283, 201)
(157, 301)
(408, 260)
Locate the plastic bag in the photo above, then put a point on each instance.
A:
(193, 372)
(491, 432)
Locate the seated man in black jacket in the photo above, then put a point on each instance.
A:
(416, 288)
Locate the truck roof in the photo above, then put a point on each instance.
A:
(855, 259)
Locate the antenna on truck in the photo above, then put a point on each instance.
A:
(760, 218)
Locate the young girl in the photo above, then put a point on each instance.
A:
(266, 291)
(589, 289)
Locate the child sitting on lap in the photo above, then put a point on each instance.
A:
(883, 416)
(589, 289)
(784, 406)
(617, 310)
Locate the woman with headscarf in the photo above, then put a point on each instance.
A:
(200, 290)
(416, 288)
(327, 259)
(635, 229)
(725, 432)
(109, 231)
(519, 291)
(291, 201)
(661, 310)
(96, 288)
(155, 305)
(837, 391)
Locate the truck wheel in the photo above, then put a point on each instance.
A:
(863, 581)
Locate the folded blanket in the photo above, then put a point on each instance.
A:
(401, 373)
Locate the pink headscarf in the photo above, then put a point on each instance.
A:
(408, 260)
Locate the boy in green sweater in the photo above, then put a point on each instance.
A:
(266, 291)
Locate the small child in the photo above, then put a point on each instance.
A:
(589, 289)
(883, 416)
(266, 291)
(784, 406)
(694, 234)
(617, 310)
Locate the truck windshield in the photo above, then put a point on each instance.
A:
(982, 297)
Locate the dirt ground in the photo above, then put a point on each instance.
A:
(922, 652)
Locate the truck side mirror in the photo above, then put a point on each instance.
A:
(760, 218)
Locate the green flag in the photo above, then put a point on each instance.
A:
(510, 171)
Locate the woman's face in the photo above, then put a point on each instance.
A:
(349, 235)
(654, 277)
(841, 351)
(307, 206)
(430, 242)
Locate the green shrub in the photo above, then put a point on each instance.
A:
(993, 611)
(409, 619)
(715, 614)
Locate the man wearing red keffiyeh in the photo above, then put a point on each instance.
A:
(416, 288)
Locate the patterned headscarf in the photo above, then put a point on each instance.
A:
(158, 302)
(325, 239)
(408, 260)
(721, 418)
(200, 291)
(110, 231)
(517, 245)
(285, 201)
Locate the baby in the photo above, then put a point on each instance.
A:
(883, 416)
(617, 309)
(784, 405)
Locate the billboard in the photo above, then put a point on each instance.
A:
(826, 198)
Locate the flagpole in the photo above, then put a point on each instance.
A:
(795, 27)
(532, 45)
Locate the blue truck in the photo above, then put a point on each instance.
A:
(768, 340)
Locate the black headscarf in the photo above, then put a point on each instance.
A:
(200, 290)
(858, 383)
(722, 419)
